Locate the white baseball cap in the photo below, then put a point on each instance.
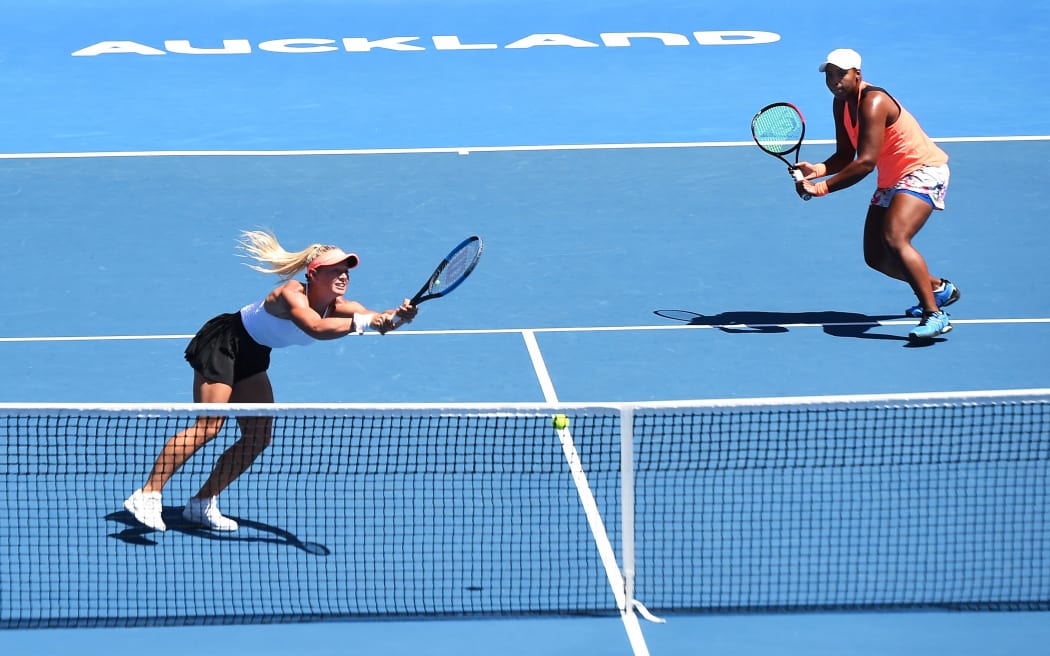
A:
(844, 58)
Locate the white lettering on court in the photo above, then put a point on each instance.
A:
(440, 43)
(453, 43)
(623, 39)
(229, 47)
(117, 47)
(298, 45)
(358, 44)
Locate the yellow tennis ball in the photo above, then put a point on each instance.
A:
(560, 422)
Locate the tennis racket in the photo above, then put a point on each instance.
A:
(452, 271)
(448, 275)
(778, 129)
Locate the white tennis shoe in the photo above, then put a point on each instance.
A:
(146, 508)
(206, 512)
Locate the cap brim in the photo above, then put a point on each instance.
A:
(350, 259)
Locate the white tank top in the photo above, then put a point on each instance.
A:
(272, 331)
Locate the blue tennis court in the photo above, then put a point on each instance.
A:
(632, 229)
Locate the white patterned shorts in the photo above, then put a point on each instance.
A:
(930, 183)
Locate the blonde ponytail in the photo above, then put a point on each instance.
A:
(263, 247)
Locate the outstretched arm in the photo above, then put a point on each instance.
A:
(382, 322)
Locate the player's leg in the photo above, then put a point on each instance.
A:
(903, 219)
(145, 503)
(878, 253)
(256, 434)
(184, 444)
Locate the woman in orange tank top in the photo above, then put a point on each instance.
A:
(873, 131)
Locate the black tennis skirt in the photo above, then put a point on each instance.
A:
(222, 351)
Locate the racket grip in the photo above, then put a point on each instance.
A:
(797, 175)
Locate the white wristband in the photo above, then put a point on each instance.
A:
(362, 322)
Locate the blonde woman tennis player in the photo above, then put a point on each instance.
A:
(231, 354)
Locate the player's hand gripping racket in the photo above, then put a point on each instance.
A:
(778, 129)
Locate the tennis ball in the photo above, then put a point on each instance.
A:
(560, 422)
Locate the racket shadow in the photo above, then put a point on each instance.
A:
(837, 324)
(138, 534)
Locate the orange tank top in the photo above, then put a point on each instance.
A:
(905, 147)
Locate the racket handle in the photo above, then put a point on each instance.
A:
(797, 175)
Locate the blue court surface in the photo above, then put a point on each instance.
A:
(630, 226)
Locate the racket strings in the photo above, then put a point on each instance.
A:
(458, 266)
(778, 129)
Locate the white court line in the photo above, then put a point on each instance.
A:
(590, 506)
(462, 150)
(571, 329)
(540, 367)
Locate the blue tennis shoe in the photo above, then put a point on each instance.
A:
(944, 298)
(933, 324)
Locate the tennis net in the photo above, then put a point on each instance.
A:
(478, 510)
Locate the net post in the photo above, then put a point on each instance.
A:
(627, 502)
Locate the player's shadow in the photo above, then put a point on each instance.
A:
(836, 324)
(137, 534)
